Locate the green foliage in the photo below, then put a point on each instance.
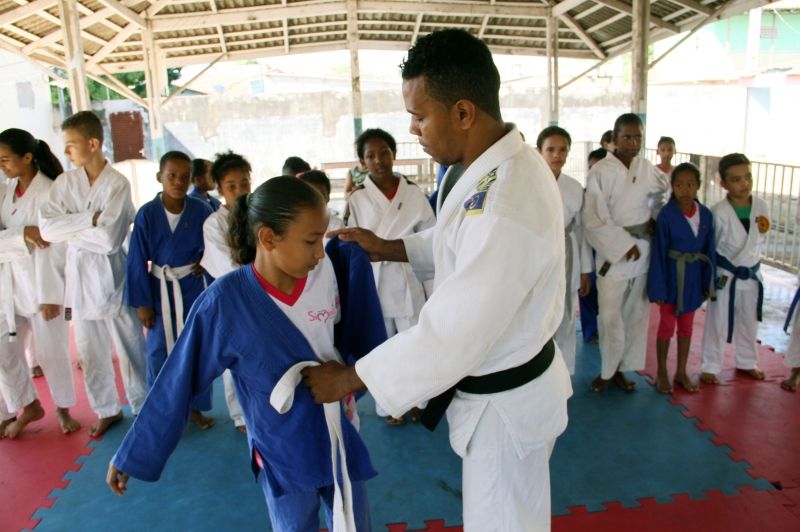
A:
(133, 80)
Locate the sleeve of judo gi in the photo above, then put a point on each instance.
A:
(112, 224)
(419, 249)
(137, 278)
(466, 314)
(710, 250)
(49, 263)
(603, 234)
(657, 275)
(196, 360)
(55, 223)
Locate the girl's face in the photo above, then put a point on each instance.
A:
(666, 150)
(555, 149)
(378, 158)
(685, 187)
(12, 164)
(233, 184)
(299, 249)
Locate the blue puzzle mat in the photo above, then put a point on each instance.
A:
(618, 447)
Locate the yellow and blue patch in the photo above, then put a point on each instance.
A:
(474, 205)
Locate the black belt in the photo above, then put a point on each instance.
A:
(501, 381)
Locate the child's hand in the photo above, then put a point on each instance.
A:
(147, 316)
(95, 218)
(32, 235)
(586, 285)
(49, 311)
(117, 480)
(659, 302)
(197, 270)
(633, 253)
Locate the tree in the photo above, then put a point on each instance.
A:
(133, 80)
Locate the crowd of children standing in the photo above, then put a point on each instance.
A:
(196, 273)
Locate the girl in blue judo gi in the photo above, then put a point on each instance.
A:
(265, 322)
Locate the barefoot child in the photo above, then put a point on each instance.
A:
(254, 321)
(624, 193)
(392, 207)
(163, 274)
(90, 209)
(231, 173)
(203, 183)
(741, 222)
(666, 151)
(32, 288)
(681, 271)
(791, 359)
(554, 144)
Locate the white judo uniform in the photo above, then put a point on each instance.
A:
(400, 292)
(741, 248)
(579, 260)
(30, 277)
(617, 198)
(496, 256)
(217, 261)
(95, 275)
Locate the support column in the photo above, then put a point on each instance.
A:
(154, 79)
(355, 71)
(75, 65)
(639, 60)
(552, 71)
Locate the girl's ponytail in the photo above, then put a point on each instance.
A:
(241, 238)
(46, 160)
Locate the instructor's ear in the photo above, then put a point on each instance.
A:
(464, 113)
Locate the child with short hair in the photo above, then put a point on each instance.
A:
(681, 271)
(202, 183)
(31, 288)
(554, 144)
(163, 275)
(90, 209)
(392, 207)
(294, 166)
(666, 151)
(231, 173)
(741, 222)
(254, 321)
(320, 181)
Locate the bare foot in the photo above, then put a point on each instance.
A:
(416, 414)
(623, 382)
(599, 384)
(395, 421)
(686, 383)
(103, 424)
(708, 378)
(242, 429)
(663, 385)
(791, 383)
(755, 373)
(37, 372)
(202, 422)
(30, 413)
(4, 424)
(67, 423)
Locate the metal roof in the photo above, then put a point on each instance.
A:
(201, 31)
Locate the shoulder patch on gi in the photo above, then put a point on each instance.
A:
(474, 205)
(763, 224)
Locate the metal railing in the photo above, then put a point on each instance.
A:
(777, 184)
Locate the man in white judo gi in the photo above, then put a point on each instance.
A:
(483, 344)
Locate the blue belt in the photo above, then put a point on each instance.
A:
(792, 307)
(740, 273)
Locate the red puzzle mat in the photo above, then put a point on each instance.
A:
(757, 419)
(35, 463)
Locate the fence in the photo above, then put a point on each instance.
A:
(777, 184)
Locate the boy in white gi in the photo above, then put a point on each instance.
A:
(741, 222)
(624, 193)
(554, 144)
(90, 209)
(485, 345)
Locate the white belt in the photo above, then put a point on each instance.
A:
(8, 309)
(166, 274)
(281, 399)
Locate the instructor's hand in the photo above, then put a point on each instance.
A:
(376, 247)
(331, 381)
(117, 480)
